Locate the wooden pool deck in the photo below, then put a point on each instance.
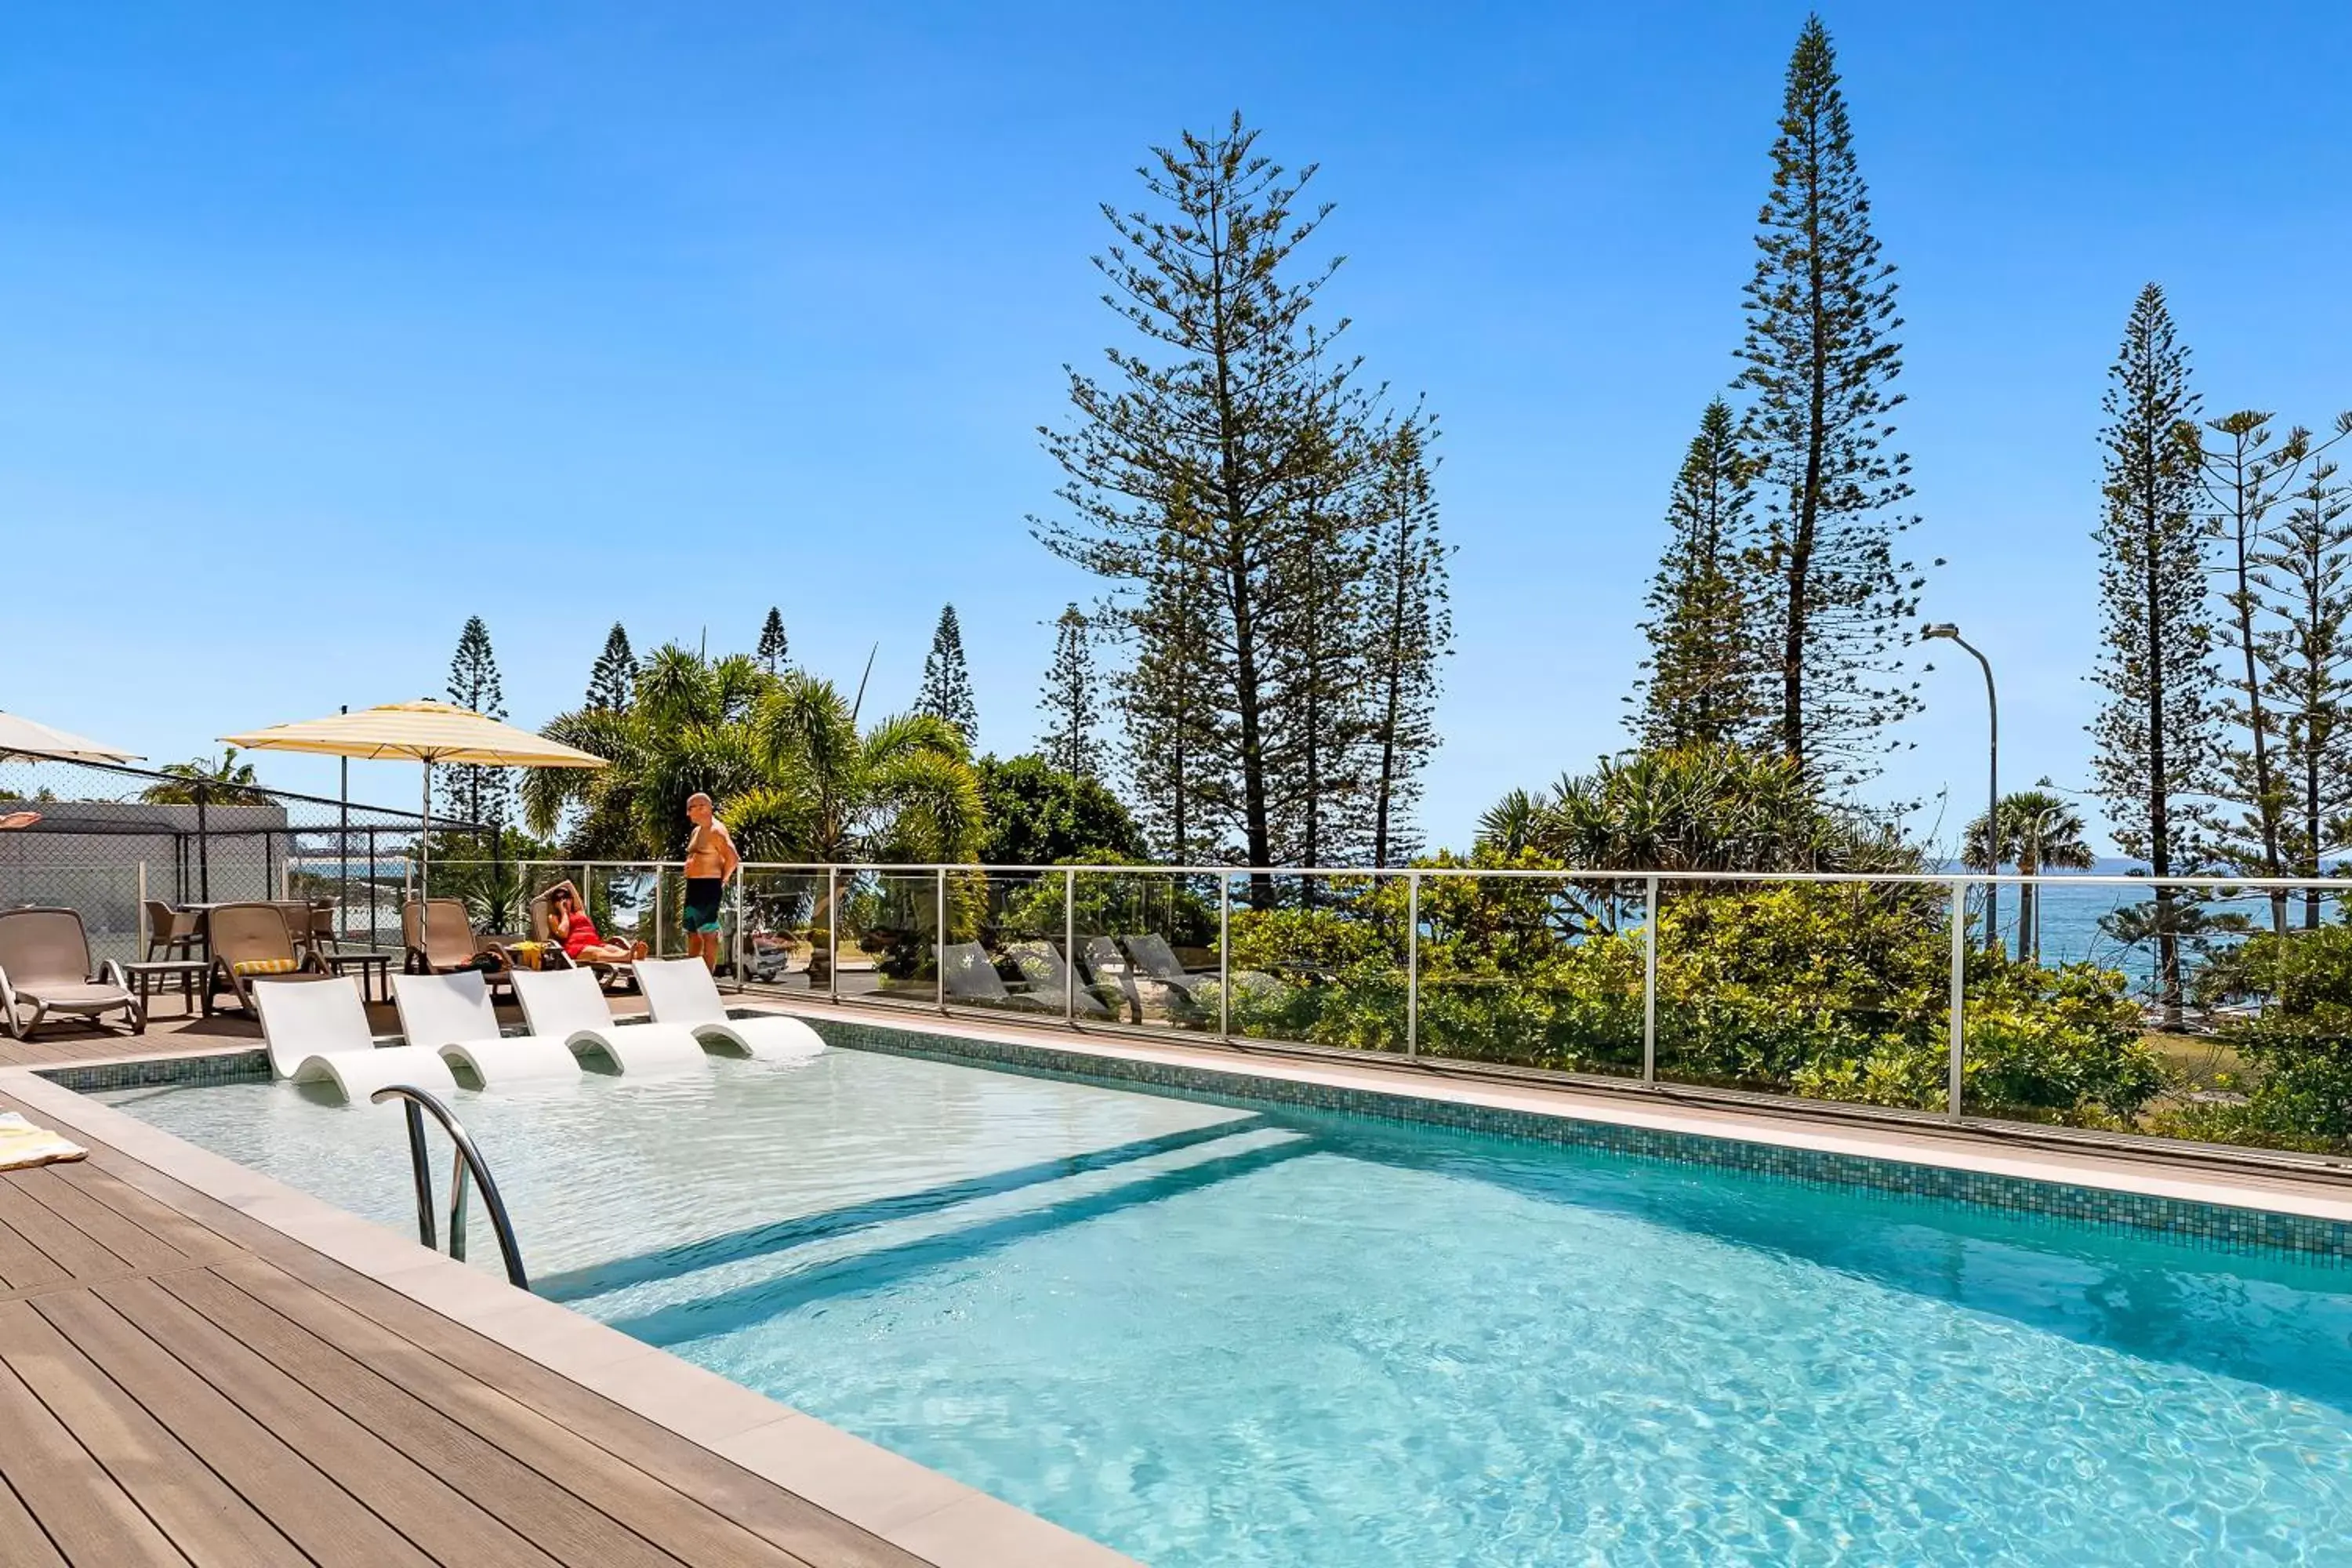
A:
(182, 1381)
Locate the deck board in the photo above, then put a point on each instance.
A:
(318, 1515)
(22, 1543)
(793, 1523)
(78, 1206)
(448, 1523)
(23, 1266)
(166, 1225)
(622, 1491)
(543, 1511)
(211, 1524)
(78, 1252)
(181, 1384)
(89, 1518)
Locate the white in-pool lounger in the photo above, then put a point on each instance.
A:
(316, 1031)
(568, 1006)
(680, 991)
(452, 1013)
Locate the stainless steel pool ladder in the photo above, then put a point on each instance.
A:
(467, 1163)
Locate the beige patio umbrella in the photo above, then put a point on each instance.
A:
(426, 732)
(23, 737)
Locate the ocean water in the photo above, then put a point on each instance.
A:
(1212, 1335)
(2072, 930)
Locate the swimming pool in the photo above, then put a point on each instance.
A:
(1209, 1333)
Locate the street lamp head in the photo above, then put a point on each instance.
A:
(1940, 629)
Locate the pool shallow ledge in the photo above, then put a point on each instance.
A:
(939, 1520)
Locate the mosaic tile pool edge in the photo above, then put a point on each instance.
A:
(2213, 1225)
(2206, 1225)
(220, 1067)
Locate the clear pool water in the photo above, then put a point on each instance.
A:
(1210, 1336)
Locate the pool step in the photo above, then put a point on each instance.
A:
(688, 1303)
(799, 1230)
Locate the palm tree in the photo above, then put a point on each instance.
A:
(1692, 808)
(782, 757)
(2040, 829)
(1509, 824)
(200, 777)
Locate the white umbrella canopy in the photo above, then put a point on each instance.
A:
(426, 732)
(20, 736)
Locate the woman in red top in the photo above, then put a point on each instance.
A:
(568, 924)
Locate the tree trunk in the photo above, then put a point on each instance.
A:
(2313, 819)
(1801, 535)
(2159, 801)
(2266, 794)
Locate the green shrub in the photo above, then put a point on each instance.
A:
(2299, 1048)
(1833, 990)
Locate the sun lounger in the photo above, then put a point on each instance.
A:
(1156, 960)
(680, 991)
(439, 938)
(451, 1013)
(318, 1033)
(1112, 975)
(1041, 963)
(567, 1006)
(973, 979)
(249, 943)
(45, 965)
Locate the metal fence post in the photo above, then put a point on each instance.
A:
(1649, 980)
(146, 939)
(833, 933)
(1224, 956)
(1070, 946)
(940, 944)
(657, 909)
(743, 965)
(1412, 964)
(1959, 984)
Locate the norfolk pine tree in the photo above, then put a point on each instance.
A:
(775, 651)
(1821, 360)
(1070, 698)
(2305, 578)
(2244, 476)
(2155, 734)
(1706, 682)
(1413, 629)
(1318, 626)
(1206, 420)
(472, 794)
(947, 679)
(612, 683)
(1178, 740)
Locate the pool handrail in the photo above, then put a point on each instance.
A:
(468, 1161)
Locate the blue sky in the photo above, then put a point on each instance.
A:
(326, 327)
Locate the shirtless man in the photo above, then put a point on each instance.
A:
(710, 859)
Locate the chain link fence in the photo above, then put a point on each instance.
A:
(108, 839)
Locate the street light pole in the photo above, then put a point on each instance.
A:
(1947, 631)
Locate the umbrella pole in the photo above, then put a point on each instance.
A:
(425, 837)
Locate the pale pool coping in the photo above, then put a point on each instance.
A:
(918, 1510)
(1960, 1149)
